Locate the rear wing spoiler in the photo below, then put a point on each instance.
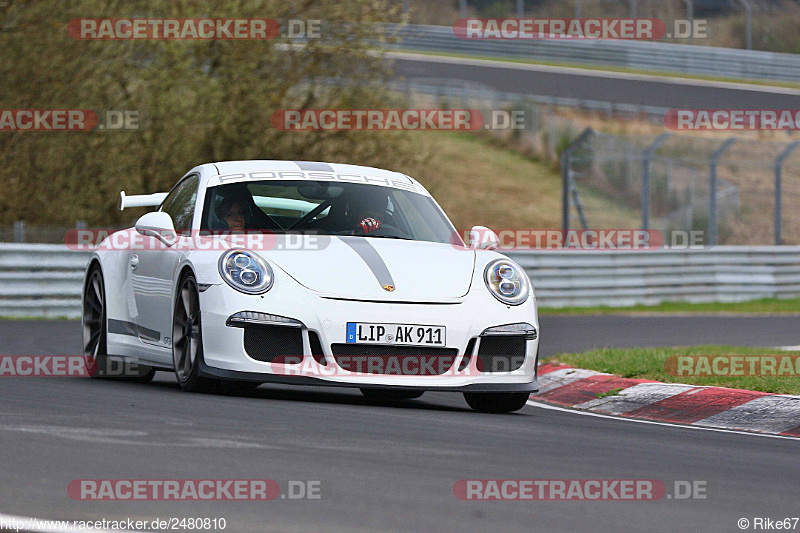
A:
(141, 200)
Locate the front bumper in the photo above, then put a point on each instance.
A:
(225, 356)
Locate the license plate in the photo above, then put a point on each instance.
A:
(395, 334)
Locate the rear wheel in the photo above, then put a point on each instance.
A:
(93, 321)
(496, 402)
(388, 395)
(187, 338)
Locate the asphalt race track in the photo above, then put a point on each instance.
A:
(381, 467)
(596, 85)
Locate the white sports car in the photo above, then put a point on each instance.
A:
(311, 273)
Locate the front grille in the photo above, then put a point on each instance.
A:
(265, 343)
(501, 353)
(394, 360)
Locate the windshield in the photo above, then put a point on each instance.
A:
(325, 208)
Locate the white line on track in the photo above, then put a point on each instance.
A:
(540, 405)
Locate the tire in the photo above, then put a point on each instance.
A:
(496, 402)
(388, 395)
(93, 323)
(187, 338)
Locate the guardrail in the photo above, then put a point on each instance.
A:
(44, 280)
(644, 55)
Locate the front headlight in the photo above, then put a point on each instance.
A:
(245, 271)
(507, 282)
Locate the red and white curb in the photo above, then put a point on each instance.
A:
(708, 407)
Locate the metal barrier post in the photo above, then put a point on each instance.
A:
(565, 189)
(520, 8)
(577, 9)
(648, 154)
(19, 231)
(712, 190)
(690, 16)
(566, 179)
(749, 23)
(462, 9)
(778, 186)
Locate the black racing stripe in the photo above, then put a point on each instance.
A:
(122, 327)
(371, 257)
(314, 165)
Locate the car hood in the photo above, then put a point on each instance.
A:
(359, 267)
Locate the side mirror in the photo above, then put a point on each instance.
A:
(482, 238)
(159, 225)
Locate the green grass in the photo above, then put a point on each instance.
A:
(479, 181)
(764, 306)
(609, 68)
(649, 363)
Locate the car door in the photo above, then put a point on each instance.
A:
(153, 268)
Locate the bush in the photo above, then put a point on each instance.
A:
(202, 101)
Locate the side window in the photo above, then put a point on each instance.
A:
(180, 203)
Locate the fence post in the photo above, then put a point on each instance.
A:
(577, 9)
(648, 154)
(520, 8)
(19, 231)
(462, 9)
(749, 23)
(778, 186)
(712, 190)
(565, 175)
(690, 15)
(633, 8)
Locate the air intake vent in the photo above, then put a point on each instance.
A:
(265, 343)
(501, 354)
(394, 360)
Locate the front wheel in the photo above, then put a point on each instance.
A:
(187, 338)
(496, 402)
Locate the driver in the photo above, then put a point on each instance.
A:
(232, 212)
(368, 209)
